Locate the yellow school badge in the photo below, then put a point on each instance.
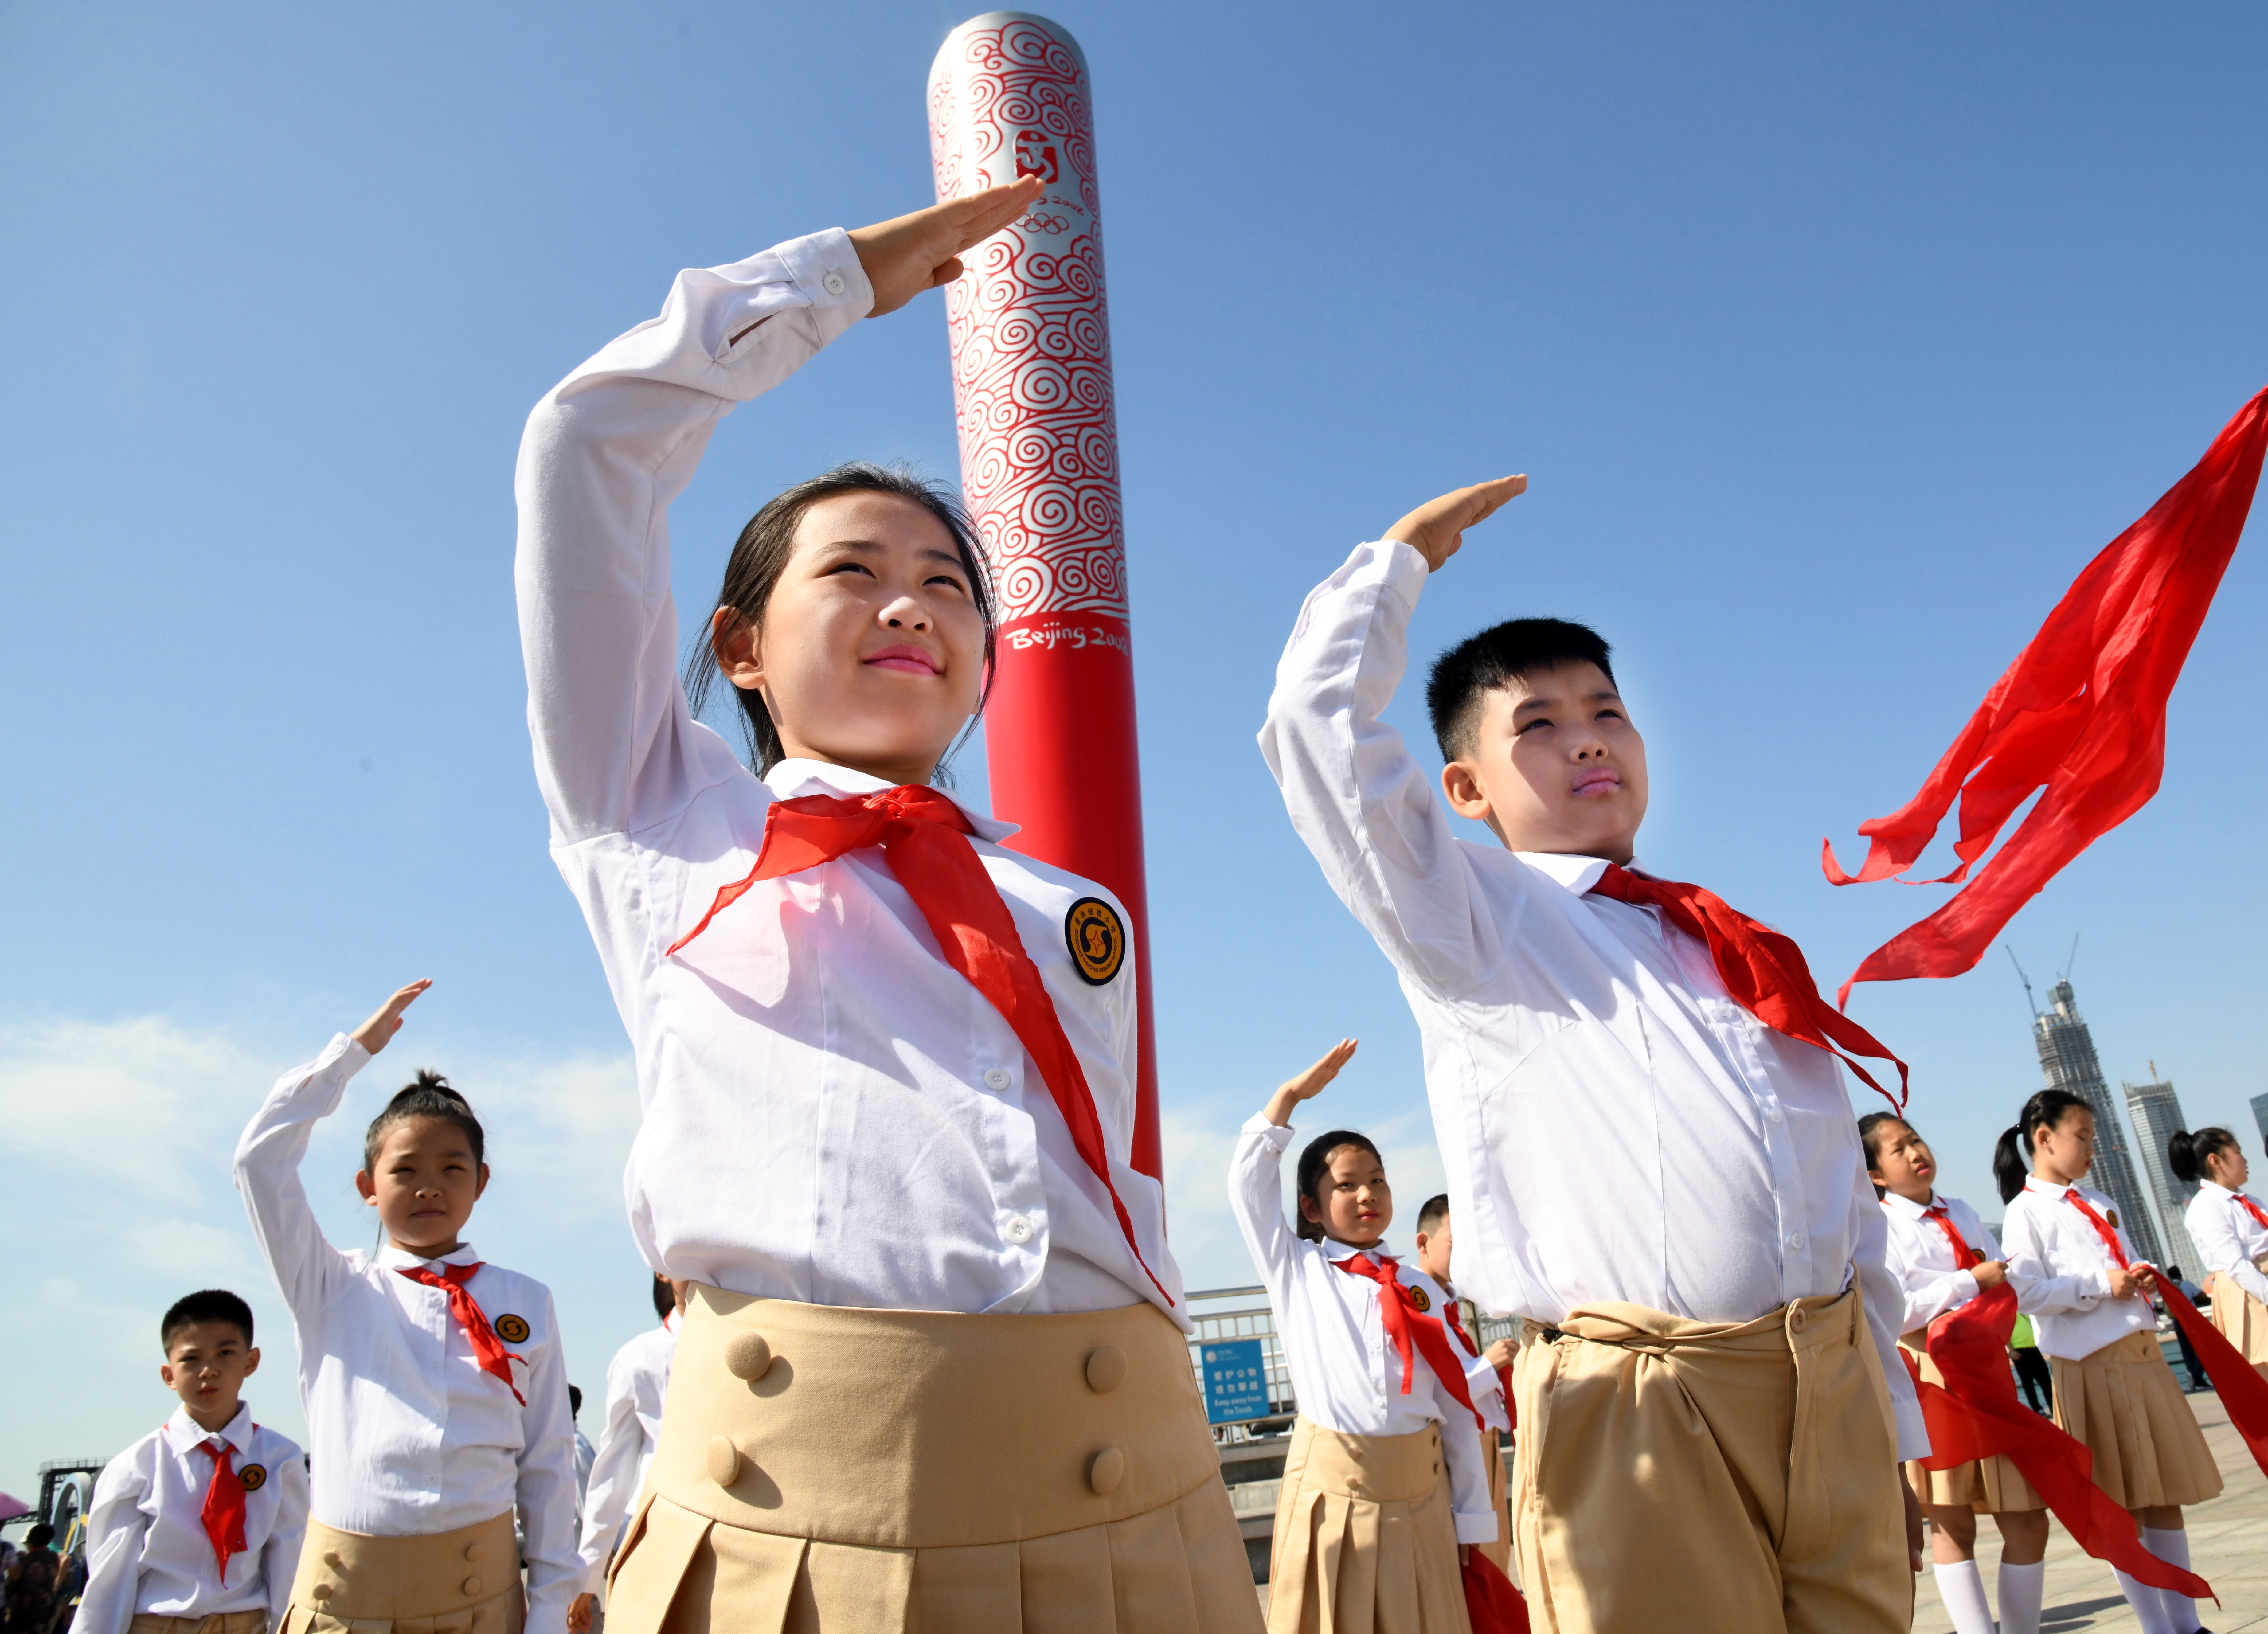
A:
(2114, 1218)
(1420, 1301)
(511, 1329)
(251, 1477)
(1097, 939)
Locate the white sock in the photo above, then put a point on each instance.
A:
(2020, 1587)
(1960, 1585)
(2173, 1548)
(2149, 1605)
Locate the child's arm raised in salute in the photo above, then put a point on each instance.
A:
(1255, 1185)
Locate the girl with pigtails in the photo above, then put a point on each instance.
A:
(2230, 1230)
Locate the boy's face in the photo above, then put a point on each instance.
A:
(1433, 1251)
(1554, 766)
(1358, 1204)
(206, 1365)
(425, 1185)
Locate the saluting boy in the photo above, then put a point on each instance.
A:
(1649, 1152)
(197, 1526)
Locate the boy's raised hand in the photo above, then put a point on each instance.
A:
(1436, 528)
(909, 254)
(375, 1034)
(1310, 1083)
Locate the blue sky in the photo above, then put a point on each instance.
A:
(1835, 340)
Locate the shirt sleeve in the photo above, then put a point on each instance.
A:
(614, 1474)
(1884, 1302)
(307, 1267)
(604, 454)
(2031, 1258)
(1470, 1505)
(546, 1490)
(279, 1557)
(2213, 1228)
(1256, 1195)
(115, 1527)
(1363, 804)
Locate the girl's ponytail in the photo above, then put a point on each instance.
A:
(2008, 1166)
(2012, 1158)
(2186, 1152)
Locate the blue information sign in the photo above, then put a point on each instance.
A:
(1235, 1381)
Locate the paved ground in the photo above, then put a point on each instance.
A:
(2228, 1548)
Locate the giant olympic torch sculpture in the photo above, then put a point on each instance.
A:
(1008, 97)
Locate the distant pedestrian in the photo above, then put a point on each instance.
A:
(2032, 1369)
(32, 1578)
(2196, 1296)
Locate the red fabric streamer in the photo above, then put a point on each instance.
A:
(1490, 1600)
(1764, 970)
(926, 836)
(1411, 1329)
(1976, 1415)
(2081, 715)
(2242, 1389)
(487, 1350)
(223, 1514)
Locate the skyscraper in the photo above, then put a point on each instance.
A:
(2260, 1116)
(2067, 1063)
(2157, 1113)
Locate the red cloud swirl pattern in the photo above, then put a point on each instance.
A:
(1029, 323)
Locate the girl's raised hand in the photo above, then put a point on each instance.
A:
(375, 1034)
(1437, 528)
(1310, 1083)
(909, 254)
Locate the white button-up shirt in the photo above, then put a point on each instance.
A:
(1345, 1372)
(410, 1437)
(1614, 1125)
(2065, 1271)
(147, 1549)
(2229, 1239)
(1921, 1257)
(1483, 1382)
(637, 1380)
(911, 1154)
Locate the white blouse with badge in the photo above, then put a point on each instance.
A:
(1345, 1372)
(2065, 1268)
(147, 1549)
(410, 1436)
(910, 1154)
(1921, 1256)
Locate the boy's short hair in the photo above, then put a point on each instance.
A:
(665, 1297)
(1463, 676)
(1436, 1210)
(207, 1305)
(574, 1400)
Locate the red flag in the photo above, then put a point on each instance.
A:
(2081, 716)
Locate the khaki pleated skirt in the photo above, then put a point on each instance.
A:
(2241, 1319)
(1366, 1543)
(1990, 1486)
(461, 1582)
(825, 1468)
(2125, 1404)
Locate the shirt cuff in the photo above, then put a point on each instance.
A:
(827, 275)
(1966, 1281)
(1913, 1433)
(1278, 1134)
(1405, 570)
(1476, 1528)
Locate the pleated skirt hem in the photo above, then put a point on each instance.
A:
(2125, 1405)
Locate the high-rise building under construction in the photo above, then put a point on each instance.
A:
(2067, 1062)
(2157, 1113)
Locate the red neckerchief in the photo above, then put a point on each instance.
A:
(487, 1350)
(1414, 1332)
(1762, 970)
(1503, 1374)
(1963, 1256)
(926, 836)
(2252, 1207)
(2103, 1228)
(222, 1513)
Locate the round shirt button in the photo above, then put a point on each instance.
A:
(1797, 1319)
(1019, 1229)
(833, 283)
(1796, 1241)
(996, 1078)
(1771, 1110)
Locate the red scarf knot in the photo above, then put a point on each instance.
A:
(222, 1513)
(1413, 1331)
(487, 1350)
(1964, 1256)
(1762, 969)
(926, 836)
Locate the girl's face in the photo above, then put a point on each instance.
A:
(2064, 1153)
(1358, 1204)
(870, 654)
(423, 1185)
(1903, 1162)
(2228, 1167)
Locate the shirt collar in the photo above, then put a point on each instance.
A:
(185, 1434)
(1577, 874)
(395, 1259)
(2033, 1182)
(794, 778)
(1906, 1208)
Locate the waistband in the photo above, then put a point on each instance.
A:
(927, 1428)
(349, 1576)
(215, 1622)
(1384, 1468)
(1800, 1325)
(2140, 1345)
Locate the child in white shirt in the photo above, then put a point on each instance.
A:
(1384, 1405)
(2230, 1229)
(1488, 1371)
(434, 1384)
(196, 1528)
(1943, 1256)
(637, 1384)
(2113, 1388)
